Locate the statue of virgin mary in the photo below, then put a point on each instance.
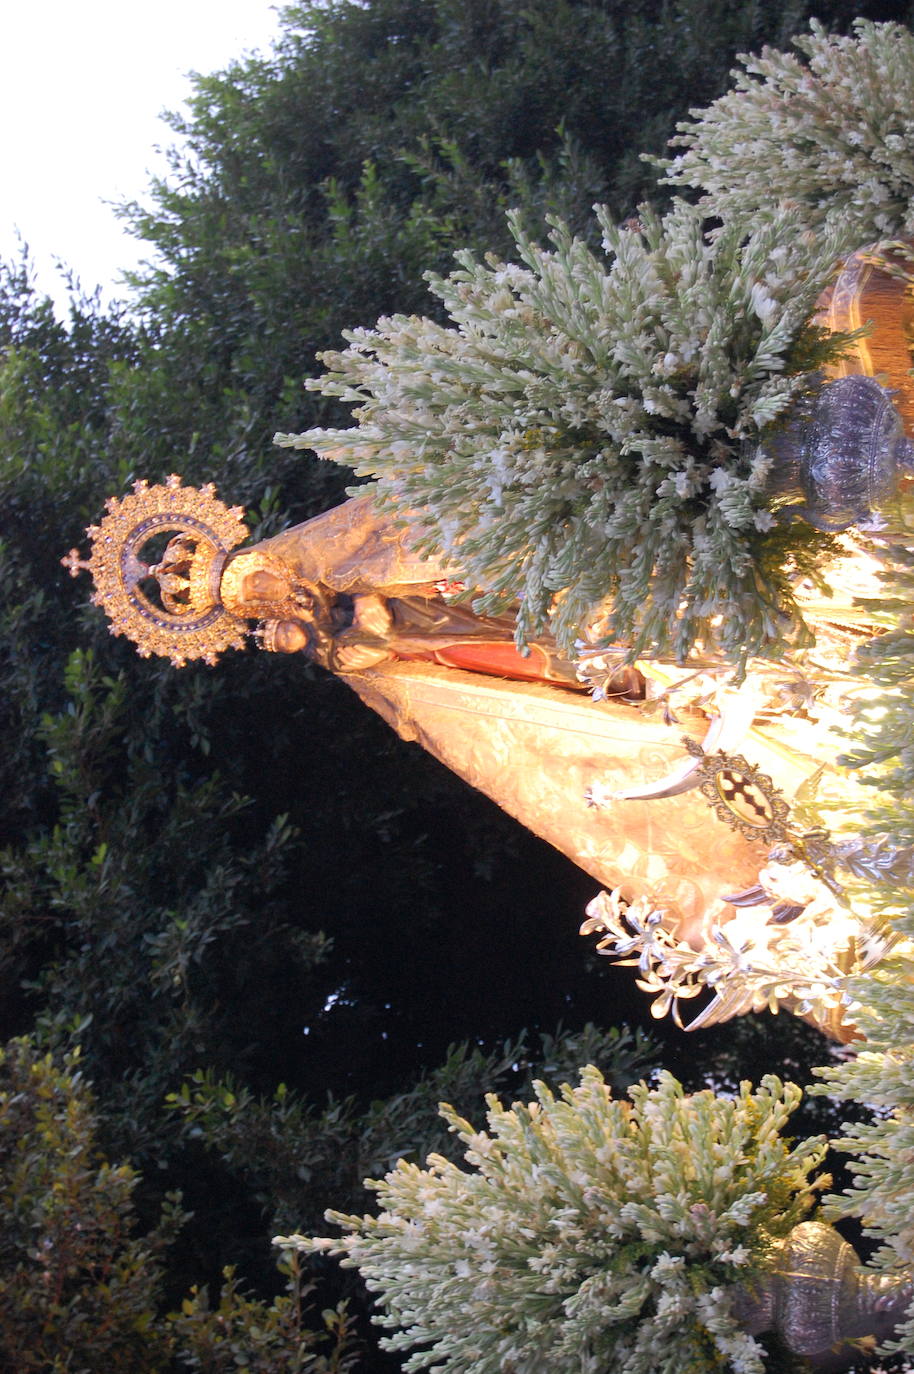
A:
(639, 782)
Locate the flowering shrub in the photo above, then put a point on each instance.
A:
(582, 438)
(589, 1233)
(833, 138)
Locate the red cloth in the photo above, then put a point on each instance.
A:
(500, 660)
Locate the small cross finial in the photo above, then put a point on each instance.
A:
(74, 564)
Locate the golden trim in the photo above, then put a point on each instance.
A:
(204, 629)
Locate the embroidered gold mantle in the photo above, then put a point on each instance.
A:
(354, 549)
(536, 750)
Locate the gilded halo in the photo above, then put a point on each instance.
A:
(201, 627)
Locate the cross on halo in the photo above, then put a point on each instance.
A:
(74, 564)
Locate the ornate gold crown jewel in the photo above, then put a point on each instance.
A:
(191, 621)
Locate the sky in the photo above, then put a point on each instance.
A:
(83, 84)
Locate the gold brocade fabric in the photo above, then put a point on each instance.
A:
(533, 748)
(536, 749)
(353, 548)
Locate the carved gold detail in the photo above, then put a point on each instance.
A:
(191, 622)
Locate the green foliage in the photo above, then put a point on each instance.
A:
(241, 1332)
(78, 1289)
(581, 439)
(54, 464)
(130, 947)
(81, 1292)
(832, 136)
(295, 1156)
(589, 1231)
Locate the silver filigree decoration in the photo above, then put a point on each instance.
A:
(839, 457)
(742, 795)
(749, 959)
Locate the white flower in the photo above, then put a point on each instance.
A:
(738, 1255)
(720, 480)
(667, 1265)
(761, 302)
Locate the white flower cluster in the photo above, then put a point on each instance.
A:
(593, 1234)
(832, 137)
(582, 434)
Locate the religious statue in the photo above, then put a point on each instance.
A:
(630, 770)
(346, 590)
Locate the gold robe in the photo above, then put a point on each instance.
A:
(534, 748)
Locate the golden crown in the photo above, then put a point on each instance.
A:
(189, 620)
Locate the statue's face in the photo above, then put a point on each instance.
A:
(252, 586)
(263, 585)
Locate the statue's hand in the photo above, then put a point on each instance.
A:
(370, 615)
(351, 658)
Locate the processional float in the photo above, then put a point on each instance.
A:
(678, 789)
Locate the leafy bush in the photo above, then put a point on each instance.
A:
(241, 1332)
(832, 137)
(122, 946)
(589, 1232)
(78, 1289)
(296, 1156)
(581, 438)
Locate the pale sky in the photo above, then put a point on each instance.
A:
(82, 86)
